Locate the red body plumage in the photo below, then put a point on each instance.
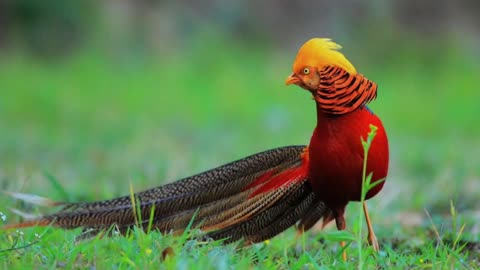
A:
(336, 157)
(333, 161)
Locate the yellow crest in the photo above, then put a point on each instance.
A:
(320, 52)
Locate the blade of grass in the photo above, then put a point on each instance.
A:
(366, 186)
(57, 186)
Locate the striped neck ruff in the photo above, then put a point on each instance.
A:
(340, 92)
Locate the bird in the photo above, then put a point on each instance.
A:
(258, 197)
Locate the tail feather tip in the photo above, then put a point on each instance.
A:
(33, 199)
(26, 224)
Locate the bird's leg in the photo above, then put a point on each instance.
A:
(341, 225)
(344, 253)
(372, 239)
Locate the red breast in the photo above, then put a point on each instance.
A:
(336, 156)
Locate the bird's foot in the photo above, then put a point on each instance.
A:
(372, 240)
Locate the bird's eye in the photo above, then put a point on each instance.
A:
(306, 71)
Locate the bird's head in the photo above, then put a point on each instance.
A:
(333, 81)
(314, 55)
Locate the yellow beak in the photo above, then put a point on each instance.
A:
(292, 79)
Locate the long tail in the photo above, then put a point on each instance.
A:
(254, 198)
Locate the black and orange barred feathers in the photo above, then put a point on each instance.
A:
(340, 92)
(222, 202)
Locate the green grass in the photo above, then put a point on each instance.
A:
(83, 128)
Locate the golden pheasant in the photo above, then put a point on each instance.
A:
(257, 197)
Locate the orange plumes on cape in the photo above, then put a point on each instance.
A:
(257, 197)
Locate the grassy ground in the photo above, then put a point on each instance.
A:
(84, 127)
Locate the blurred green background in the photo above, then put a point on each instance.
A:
(97, 94)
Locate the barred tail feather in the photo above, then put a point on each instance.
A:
(234, 200)
(314, 214)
